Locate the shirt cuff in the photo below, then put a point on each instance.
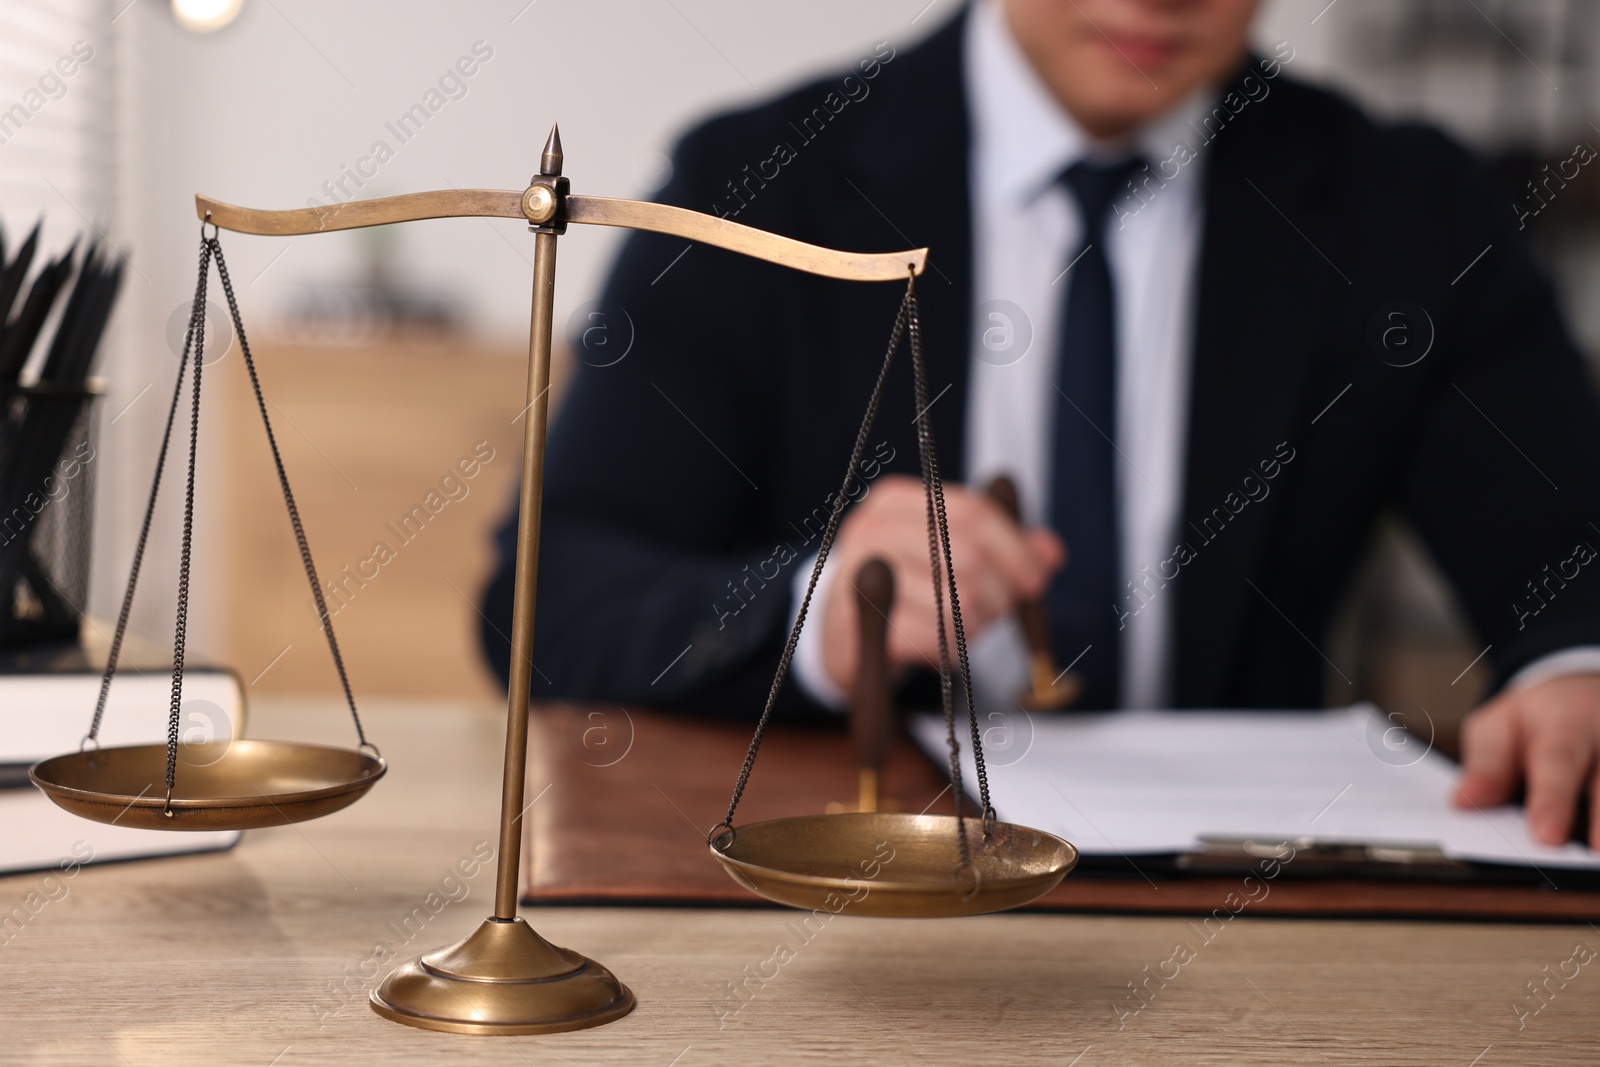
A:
(1584, 659)
(807, 667)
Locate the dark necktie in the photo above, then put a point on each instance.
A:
(1083, 508)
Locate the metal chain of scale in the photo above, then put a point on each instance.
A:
(907, 322)
(194, 341)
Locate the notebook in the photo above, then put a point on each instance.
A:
(47, 713)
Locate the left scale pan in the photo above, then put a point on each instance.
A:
(243, 785)
(225, 784)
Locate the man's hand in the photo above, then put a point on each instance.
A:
(1547, 735)
(997, 565)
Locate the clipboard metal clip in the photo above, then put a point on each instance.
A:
(1321, 857)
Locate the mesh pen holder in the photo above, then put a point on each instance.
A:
(47, 464)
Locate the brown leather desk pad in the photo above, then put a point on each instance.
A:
(625, 798)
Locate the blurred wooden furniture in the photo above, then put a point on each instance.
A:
(265, 955)
(373, 437)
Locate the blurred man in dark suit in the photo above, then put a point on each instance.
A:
(1209, 318)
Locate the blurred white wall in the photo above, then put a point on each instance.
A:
(266, 111)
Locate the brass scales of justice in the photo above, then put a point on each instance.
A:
(504, 978)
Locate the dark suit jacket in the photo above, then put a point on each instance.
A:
(679, 476)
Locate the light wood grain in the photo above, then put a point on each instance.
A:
(229, 958)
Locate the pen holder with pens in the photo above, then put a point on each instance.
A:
(47, 452)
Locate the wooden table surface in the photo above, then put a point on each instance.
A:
(264, 955)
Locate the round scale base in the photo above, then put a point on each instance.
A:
(502, 979)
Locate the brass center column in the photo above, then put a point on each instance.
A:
(504, 978)
(541, 201)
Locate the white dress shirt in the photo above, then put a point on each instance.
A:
(1025, 232)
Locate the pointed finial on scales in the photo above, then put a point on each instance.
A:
(550, 160)
(541, 201)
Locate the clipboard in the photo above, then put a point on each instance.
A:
(626, 796)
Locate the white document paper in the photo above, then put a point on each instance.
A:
(1155, 782)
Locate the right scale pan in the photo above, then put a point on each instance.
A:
(893, 865)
